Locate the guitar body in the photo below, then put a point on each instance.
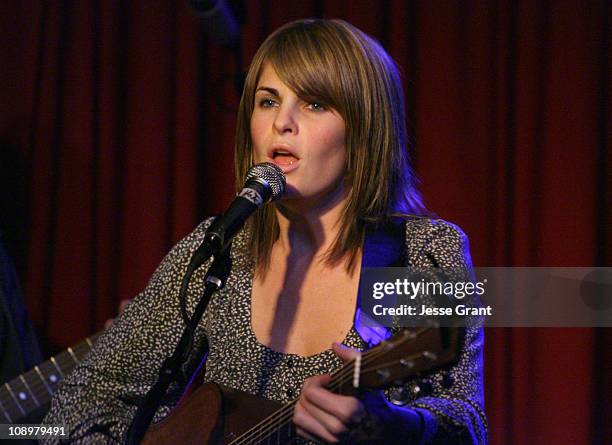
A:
(210, 415)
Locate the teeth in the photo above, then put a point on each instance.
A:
(280, 152)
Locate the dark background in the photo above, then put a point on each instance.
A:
(117, 122)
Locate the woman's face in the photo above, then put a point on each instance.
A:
(306, 140)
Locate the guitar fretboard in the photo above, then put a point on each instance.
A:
(28, 392)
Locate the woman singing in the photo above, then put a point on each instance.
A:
(324, 102)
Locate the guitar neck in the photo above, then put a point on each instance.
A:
(27, 393)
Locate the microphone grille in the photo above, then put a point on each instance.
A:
(270, 173)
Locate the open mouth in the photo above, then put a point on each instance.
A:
(283, 157)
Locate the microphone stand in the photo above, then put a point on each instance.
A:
(170, 371)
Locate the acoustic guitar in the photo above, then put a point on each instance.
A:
(30, 393)
(212, 414)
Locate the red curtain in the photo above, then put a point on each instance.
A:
(119, 118)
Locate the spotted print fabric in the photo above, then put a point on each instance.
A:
(98, 400)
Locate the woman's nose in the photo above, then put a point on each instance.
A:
(286, 120)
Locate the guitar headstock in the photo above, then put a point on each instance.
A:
(409, 352)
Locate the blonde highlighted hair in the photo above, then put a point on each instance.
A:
(336, 64)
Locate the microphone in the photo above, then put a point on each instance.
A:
(264, 182)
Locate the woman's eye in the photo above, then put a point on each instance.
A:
(316, 106)
(266, 103)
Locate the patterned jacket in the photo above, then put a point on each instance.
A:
(98, 400)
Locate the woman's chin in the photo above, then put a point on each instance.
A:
(298, 200)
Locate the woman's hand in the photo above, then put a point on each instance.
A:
(321, 415)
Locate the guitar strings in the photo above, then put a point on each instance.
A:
(268, 425)
(279, 419)
(284, 416)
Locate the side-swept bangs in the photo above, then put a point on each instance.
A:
(309, 68)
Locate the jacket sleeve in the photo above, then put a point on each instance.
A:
(97, 401)
(451, 403)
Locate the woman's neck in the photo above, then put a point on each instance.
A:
(311, 229)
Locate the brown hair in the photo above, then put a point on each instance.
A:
(345, 69)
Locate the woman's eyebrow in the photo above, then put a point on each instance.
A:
(270, 90)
